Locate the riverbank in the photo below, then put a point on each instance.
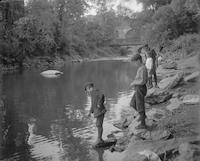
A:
(172, 117)
(57, 62)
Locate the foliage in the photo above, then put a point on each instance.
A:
(57, 27)
(187, 43)
(27, 38)
(162, 21)
(153, 4)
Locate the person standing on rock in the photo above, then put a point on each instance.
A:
(97, 108)
(139, 84)
(149, 66)
(153, 55)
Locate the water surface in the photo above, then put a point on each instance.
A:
(45, 119)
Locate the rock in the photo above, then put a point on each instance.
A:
(115, 135)
(160, 147)
(122, 124)
(127, 117)
(174, 104)
(158, 96)
(155, 114)
(132, 127)
(171, 82)
(191, 99)
(121, 144)
(188, 152)
(192, 77)
(170, 65)
(151, 156)
(51, 73)
(164, 73)
(106, 143)
(159, 134)
(175, 95)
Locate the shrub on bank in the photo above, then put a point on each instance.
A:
(186, 44)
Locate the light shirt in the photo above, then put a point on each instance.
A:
(149, 63)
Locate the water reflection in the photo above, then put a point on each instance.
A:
(45, 119)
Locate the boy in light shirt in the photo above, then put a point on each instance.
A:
(149, 66)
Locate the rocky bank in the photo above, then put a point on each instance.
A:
(173, 127)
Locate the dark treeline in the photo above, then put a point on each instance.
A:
(57, 28)
(52, 28)
(174, 23)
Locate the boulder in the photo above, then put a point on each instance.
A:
(170, 65)
(191, 99)
(106, 143)
(174, 104)
(188, 152)
(164, 73)
(132, 127)
(151, 156)
(158, 96)
(126, 118)
(192, 77)
(156, 114)
(115, 134)
(159, 134)
(171, 82)
(51, 73)
(159, 147)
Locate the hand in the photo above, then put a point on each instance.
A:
(132, 84)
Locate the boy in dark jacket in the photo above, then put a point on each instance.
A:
(97, 108)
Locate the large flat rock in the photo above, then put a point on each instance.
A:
(170, 65)
(192, 77)
(174, 104)
(191, 99)
(171, 82)
(159, 147)
(156, 96)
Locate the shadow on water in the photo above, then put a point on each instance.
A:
(45, 119)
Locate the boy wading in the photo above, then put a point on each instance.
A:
(139, 84)
(97, 108)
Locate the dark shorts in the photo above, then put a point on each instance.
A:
(138, 99)
(99, 120)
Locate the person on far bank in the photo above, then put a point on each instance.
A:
(97, 108)
(139, 84)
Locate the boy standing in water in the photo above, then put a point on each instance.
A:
(139, 83)
(97, 108)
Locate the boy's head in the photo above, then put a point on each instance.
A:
(146, 47)
(137, 59)
(89, 87)
(149, 54)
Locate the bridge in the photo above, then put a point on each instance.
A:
(125, 42)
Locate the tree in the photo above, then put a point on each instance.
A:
(153, 4)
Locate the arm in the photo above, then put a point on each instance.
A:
(142, 80)
(101, 100)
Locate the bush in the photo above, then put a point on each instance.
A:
(27, 38)
(124, 51)
(186, 44)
